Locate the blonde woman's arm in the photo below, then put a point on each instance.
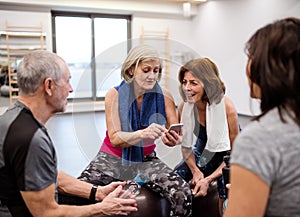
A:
(118, 137)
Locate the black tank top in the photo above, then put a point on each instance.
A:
(214, 159)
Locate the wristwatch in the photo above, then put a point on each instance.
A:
(93, 193)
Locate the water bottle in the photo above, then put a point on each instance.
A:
(133, 186)
(225, 172)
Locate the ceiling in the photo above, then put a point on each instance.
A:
(166, 8)
(173, 1)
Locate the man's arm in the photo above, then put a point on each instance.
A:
(42, 203)
(72, 186)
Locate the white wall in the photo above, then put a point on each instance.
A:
(180, 44)
(26, 18)
(223, 27)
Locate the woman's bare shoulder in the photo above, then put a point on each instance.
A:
(230, 108)
(112, 92)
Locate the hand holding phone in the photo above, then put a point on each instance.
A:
(176, 127)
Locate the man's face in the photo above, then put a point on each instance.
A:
(61, 91)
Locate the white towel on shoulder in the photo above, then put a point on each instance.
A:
(188, 120)
(216, 127)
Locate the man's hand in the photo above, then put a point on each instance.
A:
(113, 205)
(103, 191)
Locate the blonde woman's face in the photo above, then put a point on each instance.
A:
(146, 74)
(192, 87)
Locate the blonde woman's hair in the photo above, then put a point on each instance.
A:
(137, 55)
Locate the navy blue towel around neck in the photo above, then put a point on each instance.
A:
(151, 111)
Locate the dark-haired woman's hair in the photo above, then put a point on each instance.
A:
(206, 71)
(274, 51)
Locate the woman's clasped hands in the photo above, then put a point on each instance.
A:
(199, 184)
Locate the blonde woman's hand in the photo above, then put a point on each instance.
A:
(153, 131)
(171, 138)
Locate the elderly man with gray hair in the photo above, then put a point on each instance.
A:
(29, 179)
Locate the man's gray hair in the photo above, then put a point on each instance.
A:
(37, 66)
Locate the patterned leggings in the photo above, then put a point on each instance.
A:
(106, 168)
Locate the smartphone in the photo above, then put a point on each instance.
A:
(176, 127)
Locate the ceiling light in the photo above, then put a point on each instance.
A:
(186, 6)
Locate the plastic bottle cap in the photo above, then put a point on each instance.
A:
(140, 179)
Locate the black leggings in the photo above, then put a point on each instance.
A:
(161, 179)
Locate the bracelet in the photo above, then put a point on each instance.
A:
(93, 193)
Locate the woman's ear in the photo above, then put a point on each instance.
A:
(131, 71)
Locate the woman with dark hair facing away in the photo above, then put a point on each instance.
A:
(137, 112)
(265, 175)
(210, 126)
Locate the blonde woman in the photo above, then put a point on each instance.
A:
(137, 113)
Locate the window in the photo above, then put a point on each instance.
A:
(94, 46)
(111, 50)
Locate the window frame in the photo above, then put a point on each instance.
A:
(92, 16)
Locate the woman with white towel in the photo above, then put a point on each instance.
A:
(210, 125)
